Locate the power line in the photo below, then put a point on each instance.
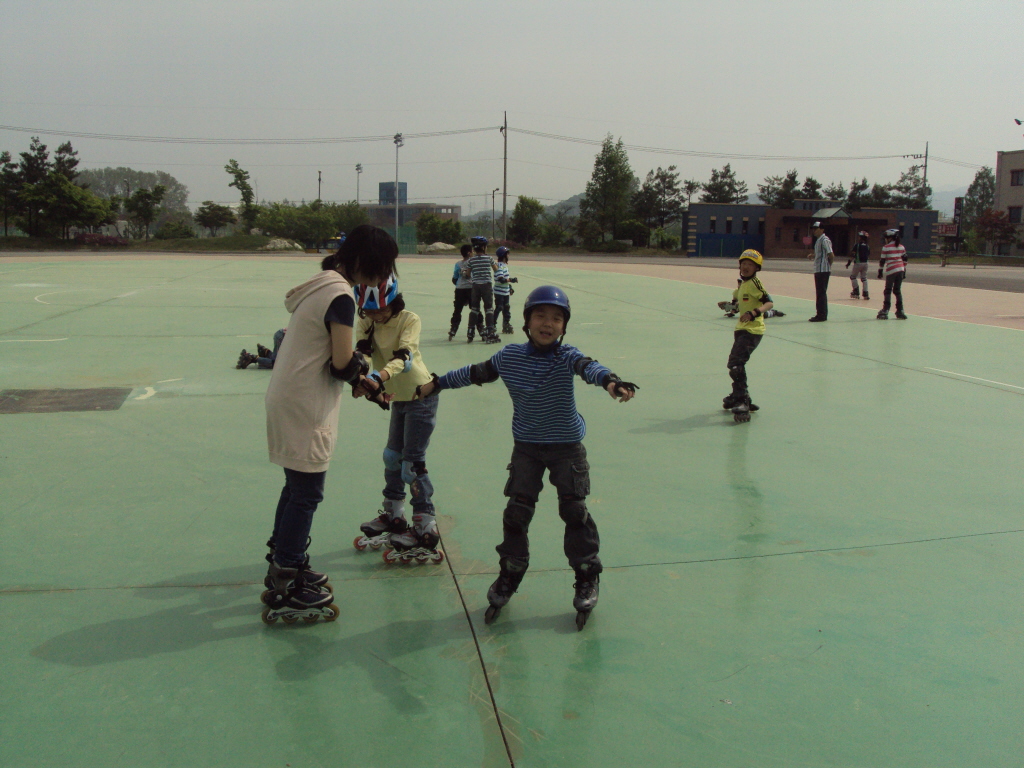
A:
(244, 142)
(958, 163)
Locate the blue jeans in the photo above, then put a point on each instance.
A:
(405, 457)
(268, 362)
(302, 493)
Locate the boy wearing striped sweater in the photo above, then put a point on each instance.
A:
(480, 269)
(503, 291)
(548, 430)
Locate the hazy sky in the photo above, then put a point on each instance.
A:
(768, 78)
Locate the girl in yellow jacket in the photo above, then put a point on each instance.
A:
(389, 334)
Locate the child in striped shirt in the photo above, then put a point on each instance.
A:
(894, 265)
(503, 291)
(480, 269)
(548, 430)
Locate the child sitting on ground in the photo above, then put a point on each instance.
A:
(264, 358)
(548, 431)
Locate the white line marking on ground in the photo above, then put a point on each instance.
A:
(987, 381)
(22, 341)
(51, 293)
(168, 381)
(591, 323)
(149, 393)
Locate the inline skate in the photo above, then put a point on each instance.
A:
(289, 598)
(311, 578)
(377, 533)
(510, 576)
(417, 543)
(587, 586)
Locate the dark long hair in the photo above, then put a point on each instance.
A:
(368, 251)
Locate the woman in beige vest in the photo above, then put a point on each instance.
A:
(302, 403)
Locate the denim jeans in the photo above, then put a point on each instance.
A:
(302, 493)
(569, 471)
(405, 457)
(268, 362)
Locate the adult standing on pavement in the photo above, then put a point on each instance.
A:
(823, 257)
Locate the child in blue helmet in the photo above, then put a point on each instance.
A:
(548, 431)
(503, 291)
(480, 269)
(463, 289)
(389, 335)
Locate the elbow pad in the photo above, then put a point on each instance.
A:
(405, 356)
(482, 373)
(364, 347)
(580, 365)
(357, 366)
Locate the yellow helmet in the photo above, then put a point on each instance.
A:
(753, 255)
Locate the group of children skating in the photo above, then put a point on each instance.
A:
(349, 325)
(481, 279)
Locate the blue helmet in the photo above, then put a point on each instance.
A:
(547, 294)
(377, 296)
(502, 251)
(478, 241)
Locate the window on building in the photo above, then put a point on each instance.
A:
(760, 227)
(713, 225)
(796, 235)
(1017, 178)
(1013, 214)
(745, 228)
(778, 234)
(917, 230)
(902, 227)
(728, 226)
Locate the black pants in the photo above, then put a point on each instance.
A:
(743, 346)
(484, 292)
(569, 472)
(501, 307)
(302, 493)
(893, 284)
(462, 298)
(821, 293)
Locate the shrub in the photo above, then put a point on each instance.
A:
(663, 240)
(174, 229)
(93, 238)
(611, 246)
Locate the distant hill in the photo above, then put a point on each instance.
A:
(943, 198)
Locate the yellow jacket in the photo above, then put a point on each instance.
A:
(402, 331)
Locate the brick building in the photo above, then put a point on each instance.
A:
(1010, 191)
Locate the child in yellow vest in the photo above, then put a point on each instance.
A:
(752, 302)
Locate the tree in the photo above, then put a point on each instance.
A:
(981, 196)
(65, 161)
(659, 201)
(249, 210)
(431, 228)
(911, 191)
(835, 191)
(348, 216)
(779, 191)
(214, 216)
(880, 196)
(724, 187)
(811, 190)
(142, 206)
(858, 195)
(174, 229)
(557, 226)
(525, 224)
(609, 192)
(689, 188)
(308, 224)
(109, 182)
(9, 184)
(994, 227)
(33, 169)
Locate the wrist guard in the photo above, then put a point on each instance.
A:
(364, 347)
(434, 381)
(405, 356)
(357, 366)
(620, 385)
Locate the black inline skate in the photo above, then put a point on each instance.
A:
(417, 543)
(377, 533)
(882, 315)
(507, 584)
(741, 409)
(507, 328)
(731, 401)
(855, 293)
(490, 336)
(289, 598)
(900, 315)
(311, 578)
(246, 359)
(587, 586)
(263, 351)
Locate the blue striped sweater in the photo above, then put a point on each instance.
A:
(541, 385)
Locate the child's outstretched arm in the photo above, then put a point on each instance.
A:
(479, 374)
(592, 372)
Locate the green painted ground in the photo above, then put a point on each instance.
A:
(837, 583)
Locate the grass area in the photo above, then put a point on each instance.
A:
(204, 244)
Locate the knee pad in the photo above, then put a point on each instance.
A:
(392, 460)
(573, 510)
(413, 469)
(737, 372)
(519, 511)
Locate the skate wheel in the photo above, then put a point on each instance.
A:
(359, 543)
(581, 620)
(267, 618)
(438, 558)
(334, 612)
(289, 619)
(491, 614)
(742, 418)
(265, 598)
(390, 556)
(310, 619)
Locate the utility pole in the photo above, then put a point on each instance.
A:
(492, 210)
(319, 180)
(399, 142)
(926, 163)
(359, 171)
(504, 183)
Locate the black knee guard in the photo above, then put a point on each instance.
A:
(519, 512)
(573, 510)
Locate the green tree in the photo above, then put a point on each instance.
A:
(811, 190)
(858, 195)
(249, 211)
(724, 187)
(911, 191)
(835, 191)
(689, 188)
(609, 194)
(981, 196)
(142, 206)
(9, 185)
(174, 229)
(33, 169)
(779, 191)
(994, 227)
(525, 224)
(431, 228)
(65, 161)
(880, 196)
(659, 201)
(557, 226)
(307, 223)
(348, 216)
(213, 216)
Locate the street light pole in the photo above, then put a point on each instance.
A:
(319, 180)
(359, 171)
(399, 142)
(492, 210)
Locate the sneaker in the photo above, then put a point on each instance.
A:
(246, 359)
(817, 319)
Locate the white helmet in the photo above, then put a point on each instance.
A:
(892, 233)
